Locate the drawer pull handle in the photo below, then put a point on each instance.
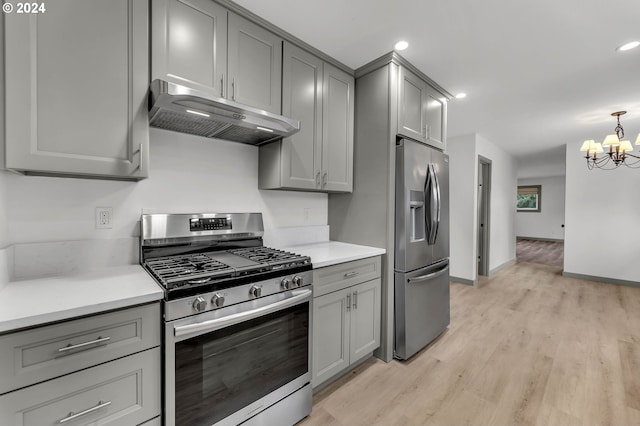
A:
(70, 347)
(73, 415)
(351, 274)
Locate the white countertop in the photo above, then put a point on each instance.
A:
(329, 253)
(38, 301)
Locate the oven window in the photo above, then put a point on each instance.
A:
(221, 372)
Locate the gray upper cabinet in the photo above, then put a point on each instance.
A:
(255, 65)
(190, 44)
(337, 130)
(319, 156)
(436, 116)
(411, 100)
(302, 100)
(202, 45)
(421, 110)
(76, 104)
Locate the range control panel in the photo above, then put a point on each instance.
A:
(210, 224)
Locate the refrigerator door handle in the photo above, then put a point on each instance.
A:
(433, 196)
(428, 276)
(439, 204)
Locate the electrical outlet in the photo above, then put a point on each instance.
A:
(104, 217)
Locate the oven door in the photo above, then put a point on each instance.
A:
(227, 365)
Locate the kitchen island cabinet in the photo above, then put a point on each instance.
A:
(202, 45)
(320, 156)
(76, 90)
(104, 368)
(346, 316)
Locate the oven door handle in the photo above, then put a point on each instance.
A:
(218, 323)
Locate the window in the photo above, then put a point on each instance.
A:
(529, 198)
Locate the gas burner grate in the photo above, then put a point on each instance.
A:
(277, 259)
(172, 271)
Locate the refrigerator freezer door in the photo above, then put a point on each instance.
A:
(421, 307)
(412, 249)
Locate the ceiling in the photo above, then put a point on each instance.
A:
(538, 74)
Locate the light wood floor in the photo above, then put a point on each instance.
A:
(540, 251)
(525, 347)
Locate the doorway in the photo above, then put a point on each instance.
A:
(484, 209)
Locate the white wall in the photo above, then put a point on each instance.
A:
(187, 174)
(602, 233)
(464, 152)
(463, 166)
(548, 222)
(4, 228)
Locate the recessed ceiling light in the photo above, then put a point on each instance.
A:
(461, 95)
(628, 46)
(401, 45)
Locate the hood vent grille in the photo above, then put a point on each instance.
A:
(184, 110)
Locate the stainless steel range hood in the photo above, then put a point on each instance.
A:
(185, 110)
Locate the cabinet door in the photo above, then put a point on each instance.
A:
(365, 319)
(124, 392)
(77, 102)
(189, 43)
(337, 130)
(411, 113)
(330, 335)
(436, 116)
(255, 65)
(302, 100)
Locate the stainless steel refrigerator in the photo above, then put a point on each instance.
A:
(421, 246)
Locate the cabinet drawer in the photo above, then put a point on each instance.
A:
(343, 275)
(39, 354)
(121, 392)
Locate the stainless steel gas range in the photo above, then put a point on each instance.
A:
(237, 318)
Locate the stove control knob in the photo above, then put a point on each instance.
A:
(297, 281)
(255, 291)
(217, 300)
(199, 304)
(286, 283)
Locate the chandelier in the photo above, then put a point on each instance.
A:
(618, 149)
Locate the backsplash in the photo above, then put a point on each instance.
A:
(187, 174)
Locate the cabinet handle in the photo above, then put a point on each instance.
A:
(324, 179)
(351, 274)
(222, 86)
(140, 166)
(318, 179)
(348, 302)
(355, 299)
(73, 415)
(70, 347)
(233, 89)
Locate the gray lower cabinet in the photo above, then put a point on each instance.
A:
(102, 369)
(421, 110)
(320, 156)
(121, 392)
(346, 322)
(76, 90)
(202, 45)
